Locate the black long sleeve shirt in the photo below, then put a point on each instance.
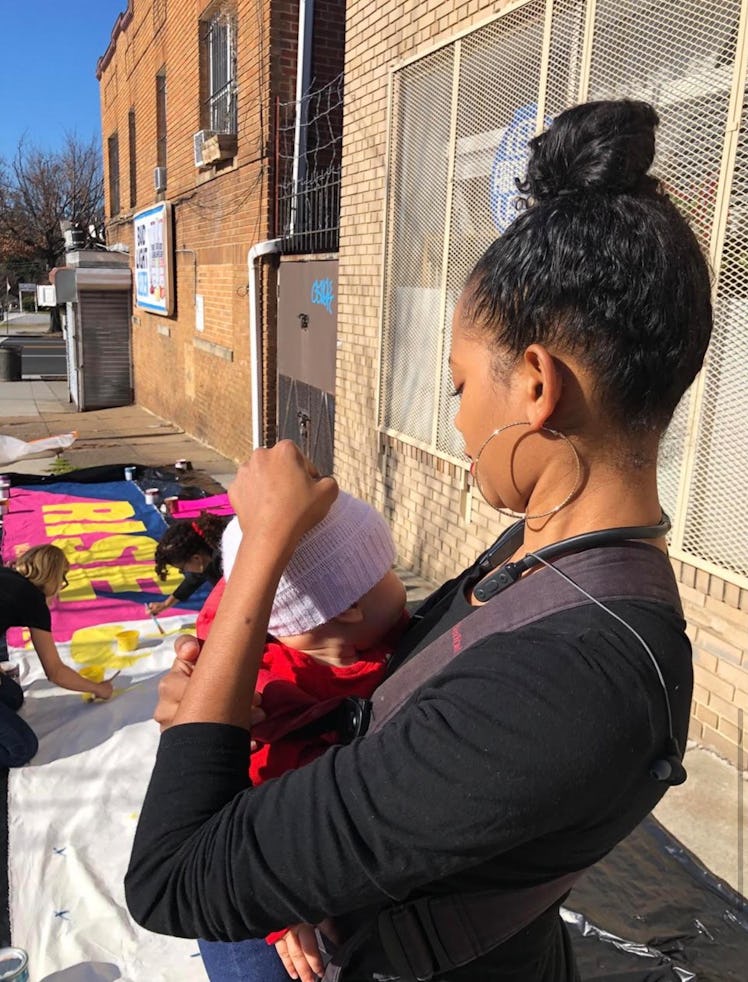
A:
(526, 758)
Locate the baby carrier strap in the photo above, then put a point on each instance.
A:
(427, 936)
(621, 572)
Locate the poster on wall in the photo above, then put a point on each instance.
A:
(154, 259)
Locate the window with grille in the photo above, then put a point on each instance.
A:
(132, 157)
(218, 56)
(113, 165)
(161, 118)
(462, 115)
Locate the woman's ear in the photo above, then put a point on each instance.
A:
(354, 615)
(543, 385)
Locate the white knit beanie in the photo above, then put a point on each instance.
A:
(333, 566)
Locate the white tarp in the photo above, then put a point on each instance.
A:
(72, 813)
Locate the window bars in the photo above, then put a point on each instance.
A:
(462, 115)
(113, 164)
(307, 198)
(220, 50)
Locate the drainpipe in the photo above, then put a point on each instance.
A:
(266, 248)
(303, 84)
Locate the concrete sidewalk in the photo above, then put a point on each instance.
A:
(707, 814)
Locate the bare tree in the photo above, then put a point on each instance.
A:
(38, 190)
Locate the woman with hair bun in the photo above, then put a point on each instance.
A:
(26, 588)
(194, 548)
(535, 710)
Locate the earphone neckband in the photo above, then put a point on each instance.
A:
(509, 573)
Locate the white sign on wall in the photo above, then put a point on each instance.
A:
(154, 259)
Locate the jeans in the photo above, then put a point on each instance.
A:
(18, 743)
(242, 961)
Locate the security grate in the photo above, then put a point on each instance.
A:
(420, 140)
(462, 116)
(717, 483)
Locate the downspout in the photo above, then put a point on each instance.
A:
(266, 248)
(303, 84)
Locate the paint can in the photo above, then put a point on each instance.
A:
(129, 473)
(183, 465)
(11, 669)
(170, 504)
(14, 965)
(4, 480)
(150, 496)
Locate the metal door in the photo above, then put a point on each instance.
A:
(307, 343)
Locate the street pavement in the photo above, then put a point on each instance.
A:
(706, 814)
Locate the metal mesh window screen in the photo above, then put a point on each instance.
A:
(420, 140)
(679, 55)
(499, 77)
(717, 482)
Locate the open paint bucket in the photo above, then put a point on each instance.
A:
(14, 964)
(127, 640)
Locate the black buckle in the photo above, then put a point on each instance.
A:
(354, 719)
(411, 941)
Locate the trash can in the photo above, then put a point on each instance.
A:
(10, 363)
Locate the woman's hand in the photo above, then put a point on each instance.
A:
(282, 490)
(173, 685)
(299, 951)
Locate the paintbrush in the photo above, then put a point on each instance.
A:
(155, 620)
(90, 697)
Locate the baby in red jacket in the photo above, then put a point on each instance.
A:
(338, 610)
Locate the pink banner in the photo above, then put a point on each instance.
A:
(109, 536)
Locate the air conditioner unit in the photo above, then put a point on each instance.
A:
(198, 141)
(159, 178)
(219, 146)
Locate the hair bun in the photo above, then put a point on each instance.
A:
(597, 146)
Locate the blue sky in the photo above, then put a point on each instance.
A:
(48, 69)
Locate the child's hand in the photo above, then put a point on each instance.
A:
(299, 951)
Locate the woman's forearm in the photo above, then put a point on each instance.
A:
(224, 679)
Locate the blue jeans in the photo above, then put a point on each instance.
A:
(242, 961)
(18, 743)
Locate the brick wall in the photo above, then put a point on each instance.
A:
(438, 527)
(201, 379)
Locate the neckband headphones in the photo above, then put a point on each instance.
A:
(668, 767)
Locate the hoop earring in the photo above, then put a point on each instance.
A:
(508, 511)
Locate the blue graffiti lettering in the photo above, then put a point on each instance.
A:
(322, 294)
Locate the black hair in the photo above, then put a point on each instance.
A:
(602, 264)
(187, 538)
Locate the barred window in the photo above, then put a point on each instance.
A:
(113, 165)
(161, 118)
(132, 153)
(463, 113)
(218, 57)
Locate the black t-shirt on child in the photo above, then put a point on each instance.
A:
(21, 603)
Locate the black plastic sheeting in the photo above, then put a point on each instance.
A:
(651, 912)
(190, 484)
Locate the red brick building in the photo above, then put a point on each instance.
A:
(198, 104)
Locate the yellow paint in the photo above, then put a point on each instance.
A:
(133, 547)
(81, 528)
(114, 579)
(95, 647)
(93, 510)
